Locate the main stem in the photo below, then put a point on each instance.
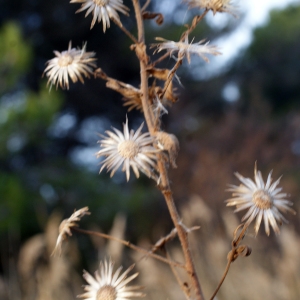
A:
(166, 190)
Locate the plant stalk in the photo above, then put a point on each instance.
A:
(165, 184)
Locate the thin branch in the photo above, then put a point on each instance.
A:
(182, 285)
(145, 5)
(222, 280)
(161, 58)
(125, 89)
(195, 22)
(170, 77)
(132, 37)
(160, 244)
(233, 254)
(129, 245)
(235, 241)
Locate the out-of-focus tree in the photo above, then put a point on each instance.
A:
(269, 71)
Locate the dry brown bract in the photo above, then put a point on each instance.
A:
(168, 142)
(65, 227)
(73, 63)
(264, 200)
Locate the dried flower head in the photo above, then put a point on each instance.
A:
(186, 49)
(73, 63)
(107, 285)
(264, 200)
(213, 5)
(65, 227)
(130, 149)
(103, 10)
(168, 142)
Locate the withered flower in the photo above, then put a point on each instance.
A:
(107, 285)
(73, 63)
(102, 10)
(263, 201)
(130, 149)
(66, 225)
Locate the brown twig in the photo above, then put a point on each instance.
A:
(123, 88)
(222, 279)
(129, 245)
(236, 251)
(184, 287)
(145, 5)
(195, 22)
(170, 76)
(133, 38)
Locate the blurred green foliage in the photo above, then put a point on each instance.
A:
(15, 56)
(24, 118)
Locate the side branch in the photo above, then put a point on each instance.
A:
(171, 76)
(133, 38)
(125, 89)
(130, 245)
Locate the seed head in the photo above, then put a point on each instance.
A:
(73, 63)
(130, 149)
(107, 285)
(263, 200)
(103, 10)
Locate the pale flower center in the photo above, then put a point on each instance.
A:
(128, 149)
(65, 60)
(106, 292)
(101, 2)
(262, 199)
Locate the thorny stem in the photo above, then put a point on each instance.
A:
(130, 245)
(195, 22)
(166, 190)
(231, 257)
